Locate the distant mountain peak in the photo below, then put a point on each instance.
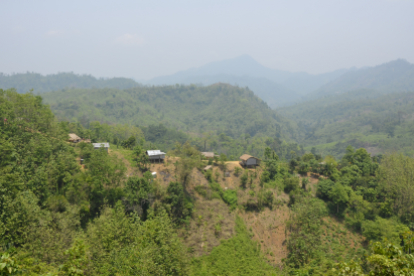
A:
(393, 76)
(403, 63)
(244, 58)
(398, 61)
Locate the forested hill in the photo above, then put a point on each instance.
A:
(111, 216)
(271, 92)
(364, 118)
(220, 108)
(25, 82)
(394, 76)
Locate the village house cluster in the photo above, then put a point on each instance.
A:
(157, 156)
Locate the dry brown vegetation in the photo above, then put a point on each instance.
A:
(212, 220)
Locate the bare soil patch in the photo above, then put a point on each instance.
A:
(268, 229)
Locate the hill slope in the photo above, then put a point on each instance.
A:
(271, 92)
(220, 108)
(364, 118)
(394, 76)
(25, 82)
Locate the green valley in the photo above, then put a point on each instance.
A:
(381, 123)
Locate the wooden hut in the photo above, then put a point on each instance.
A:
(155, 155)
(248, 160)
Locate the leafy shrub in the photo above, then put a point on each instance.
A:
(237, 171)
(180, 205)
(8, 265)
(139, 193)
(265, 198)
(324, 188)
(291, 184)
(305, 231)
(201, 190)
(383, 228)
(244, 178)
(303, 168)
(230, 197)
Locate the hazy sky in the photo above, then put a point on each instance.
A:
(144, 39)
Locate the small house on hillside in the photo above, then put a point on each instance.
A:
(74, 138)
(208, 154)
(155, 155)
(101, 145)
(248, 160)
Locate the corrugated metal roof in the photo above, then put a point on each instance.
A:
(154, 152)
(100, 145)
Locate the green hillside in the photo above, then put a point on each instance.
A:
(365, 118)
(394, 76)
(24, 82)
(219, 108)
(110, 216)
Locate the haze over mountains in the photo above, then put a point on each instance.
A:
(24, 82)
(276, 87)
(394, 76)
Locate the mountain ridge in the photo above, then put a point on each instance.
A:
(24, 82)
(282, 87)
(392, 76)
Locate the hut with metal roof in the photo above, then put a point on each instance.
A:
(155, 155)
(208, 154)
(248, 160)
(101, 145)
(74, 138)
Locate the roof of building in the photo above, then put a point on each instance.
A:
(100, 145)
(73, 136)
(208, 154)
(208, 167)
(154, 152)
(244, 157)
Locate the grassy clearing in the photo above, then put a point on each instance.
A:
(236, 256)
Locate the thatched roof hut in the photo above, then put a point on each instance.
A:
(74, 138)
(248, 160)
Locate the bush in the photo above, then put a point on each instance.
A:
(383, 228)
(201, 190)
(237, 171)
(291, 184)
(324, 188)
(265, 198)
(303, 168)
(305, 182)
(230, 197)
(180, 205)
(244, 178)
